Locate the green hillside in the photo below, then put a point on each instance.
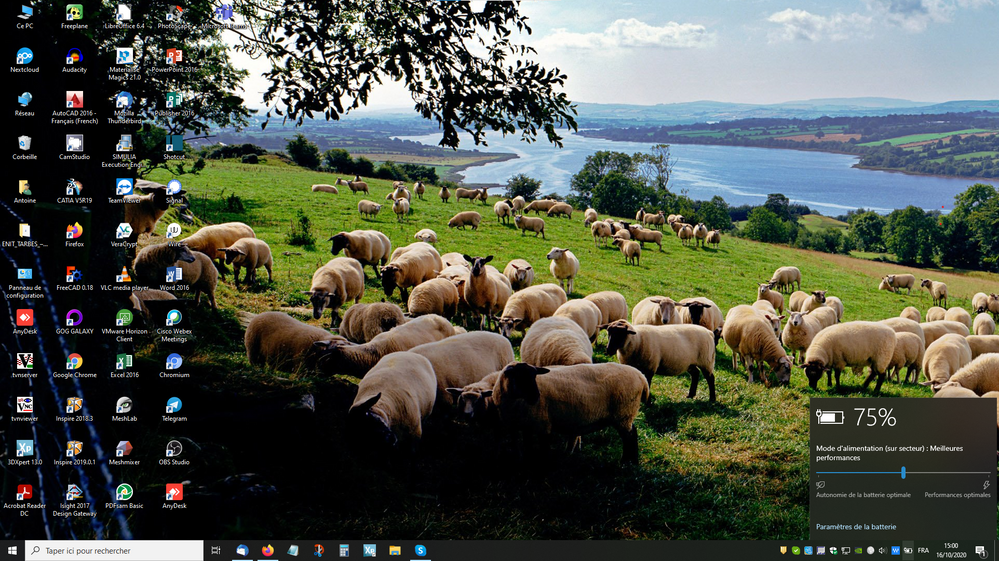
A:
(737, 469)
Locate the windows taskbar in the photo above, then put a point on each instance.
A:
(521, 550)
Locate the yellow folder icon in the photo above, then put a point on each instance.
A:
(395, 550)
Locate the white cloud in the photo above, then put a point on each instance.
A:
(796, 25)
(915, 15)
(632, 33)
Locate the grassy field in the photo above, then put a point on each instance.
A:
(735, 469)
(970, 155)
(921, 137)
(817, 222)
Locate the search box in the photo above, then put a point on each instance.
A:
(114, 550)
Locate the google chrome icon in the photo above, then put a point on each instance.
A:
(267, 550)
(74, 362)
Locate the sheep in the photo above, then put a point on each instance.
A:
(150, 264)
(455, 258)
(949, 391)
(641, 235)
(444, 194)
(775, 298)
(462, 193)
(611, 304)
(525, 223)
(904, 325)
(714, 238)
(281, 342)
(401, 208)
(631, 250)
(585, 313)
(518, 203)
(472, 405)
(835, 303)
(590, 216)
(994, 306)
(420, 189)
(341, 279)
(980, 375)
(809, 303)
(529, 305)
(703, 312)
(370, 247)
(911, 312)
(574, 400)
(908, 354)
(466, 218)
(368, 208)
(363, 322)
(700, 234)
(655, 220)
(539, 206)
(982, 344)
(560, 209)
(826, 316)
(357, 360)
(211, 239)
(937, 290)
(898, 282)
(486, 292)
(885, 285)
(943, 358)
(435, 296)
(764, 306)
(464, 359)
(556, 341)
(143, 212)
(786, 278)
(252, 254)
(564, 267)
(933, 330)
(601, 230)
(685, 233)
(640, 214)
(201, 276)
(855, 344)
(798, 333)
(354, 186)
(139, 298)
(678, 225)
(667, 350)
(958, 314)
(980, 303)
(392, 402)
(520, 273)
(935, 313)
(426, 235)
(325, 188)
(410, 266)
(503, 212)
(483, 195)
(655, 310)
(753, 336)
(984, 325)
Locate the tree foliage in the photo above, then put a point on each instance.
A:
(338, 160)
(764, 225)
(867, 231)
(303, 152)
(524, 186)
(910, 234)
(618, 194)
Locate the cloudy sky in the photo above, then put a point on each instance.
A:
(761, 51)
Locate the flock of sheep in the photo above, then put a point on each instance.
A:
(413, 363)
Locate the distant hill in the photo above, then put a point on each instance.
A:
(603, 115)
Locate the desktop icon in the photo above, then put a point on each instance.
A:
(224, 12)
(123, 231)
(175, 491)
(319, 550)
(174, 361)
(174, 448)
(123, 277)
(73, 492)
(174, 99)
(820, 550)
(124, 55)
(267, 550)
(74, 100)
(74, 143)
(25, 56)
(174, 13)
(123, 100)
(421, 550)
(74, 318)
(24, 142)
(870, 550)
(25, 317)
(174, 405)
(833, 551)
(124, 186)
(344, 549)
(124, 448)
(24, 492)
(123, 318)
(174, 274)
(123, 361)
(25, 361)
(74, 56)
(896, 550)
(173, 187)
(24, 274)
(808, 550)
(124, 405)
(24, 99)
(123, 13)
(370, 550)
(174, 56)
(23, 187)
(73, 187)
(795, 550)
(25, 448)
(74, 404)
(174, 143)
(25, 404)
(74, 12)
(173, 230)
(293, 551)
(26, 12)
(74, 231)
(174, 317)
(845, 550)
(123, 492)
(395, 550)
(124, 143)
(242, 550)
(24, 230)
(74, 448)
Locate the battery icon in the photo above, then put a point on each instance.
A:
(829, 417)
